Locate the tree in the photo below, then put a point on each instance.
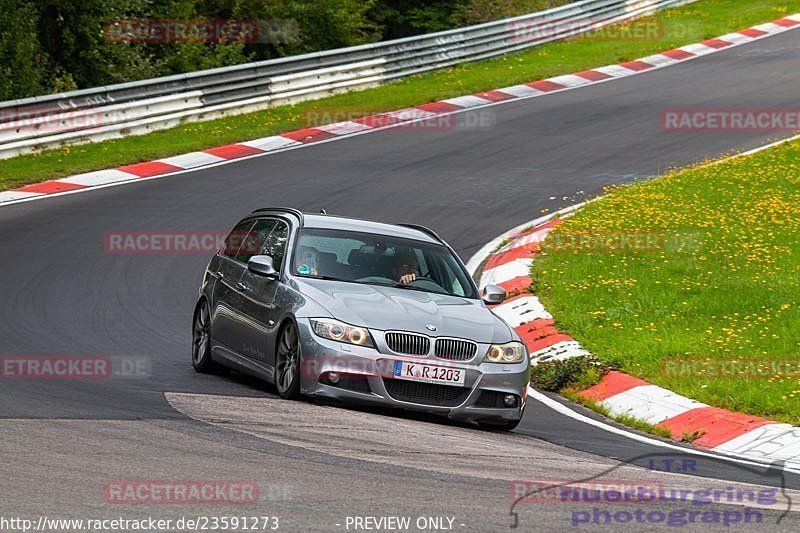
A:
(403, 18)
(73, 33)
(478, 11)
(23, 64)
(299, 26)
(59, 45)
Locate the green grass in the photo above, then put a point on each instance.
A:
(705, 19)
(641, 425)
(722, 286)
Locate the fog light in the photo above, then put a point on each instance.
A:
(333, 377)
(510, 400)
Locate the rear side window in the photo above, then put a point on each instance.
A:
(275, 244)
(235, 238)
(255, 239)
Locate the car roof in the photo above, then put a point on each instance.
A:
(366, 226)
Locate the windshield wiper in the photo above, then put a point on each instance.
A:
(411, 288)
(395, 285)
(326, 278)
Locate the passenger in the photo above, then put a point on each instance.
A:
(308, 261)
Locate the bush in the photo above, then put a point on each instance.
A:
(576, 372)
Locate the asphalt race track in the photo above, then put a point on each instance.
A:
(64, 294)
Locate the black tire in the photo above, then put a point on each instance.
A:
(506, 425)
(201, 340)
(287, 363)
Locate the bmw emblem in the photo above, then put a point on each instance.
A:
(430, 327)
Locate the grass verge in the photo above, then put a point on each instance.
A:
(709, 307)
(625, 420)
(680, 26)
(570, 376)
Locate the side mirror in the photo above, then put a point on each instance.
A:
(492, 294)
(262, 265)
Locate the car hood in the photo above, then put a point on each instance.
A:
(390, 308)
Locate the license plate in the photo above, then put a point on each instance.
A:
(429, 374)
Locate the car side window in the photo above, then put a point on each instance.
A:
(255, 239)
(275, 244)
(235, 238)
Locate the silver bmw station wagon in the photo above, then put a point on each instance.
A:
(358, 311)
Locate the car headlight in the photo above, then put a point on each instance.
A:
(510, 352)
(340, 332)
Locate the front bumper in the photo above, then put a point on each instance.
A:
(366, 377)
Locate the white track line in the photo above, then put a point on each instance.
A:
(566, 411)
(616, 71)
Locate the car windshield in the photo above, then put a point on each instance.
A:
(357, 257)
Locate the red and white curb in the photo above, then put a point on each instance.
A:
(316, 134)
(712, 428)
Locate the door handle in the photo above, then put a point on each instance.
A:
(218, 274)
(242, 287)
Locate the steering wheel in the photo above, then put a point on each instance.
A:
(424, 278)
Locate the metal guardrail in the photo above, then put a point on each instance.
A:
(139, 107)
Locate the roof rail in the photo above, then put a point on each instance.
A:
(423, 229)
(284, 210)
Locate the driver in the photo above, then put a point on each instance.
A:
(404, 269)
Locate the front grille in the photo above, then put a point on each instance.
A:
(408, 343)
(455, 349)
(426, 393)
